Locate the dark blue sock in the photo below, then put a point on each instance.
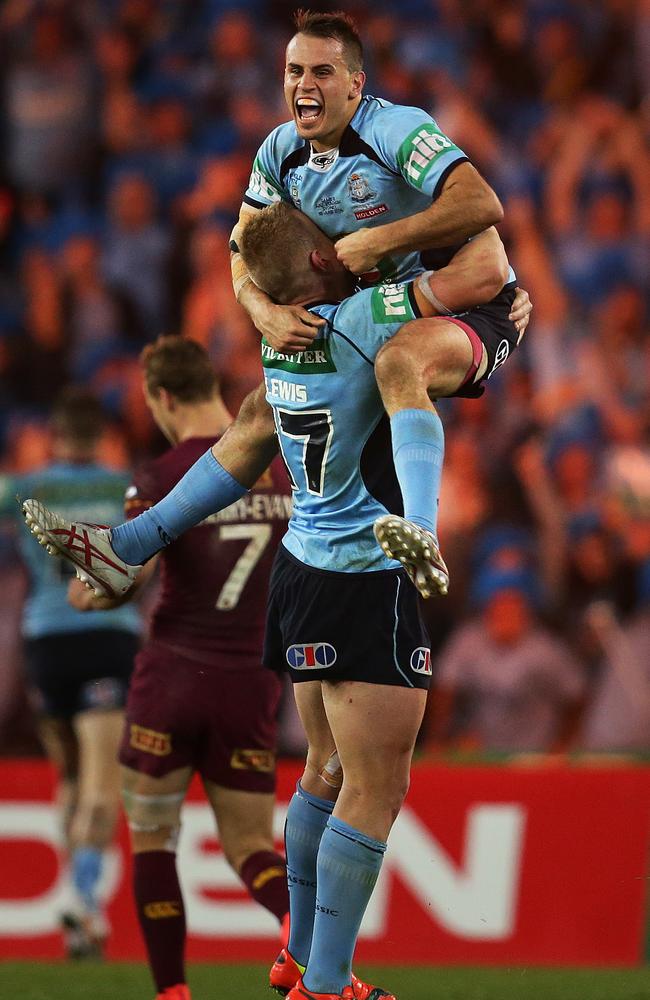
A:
(349, 863)
(307, 818)
(204, 489)
(87, 864)
(418, 452)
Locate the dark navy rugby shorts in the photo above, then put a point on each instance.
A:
(488, 326)
(76, 672)
(323, 625)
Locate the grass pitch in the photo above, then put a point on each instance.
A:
(123, 981)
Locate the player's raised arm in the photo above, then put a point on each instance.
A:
(286, 328)
(466, 206)
(475, 275)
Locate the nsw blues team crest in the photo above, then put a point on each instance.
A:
(358, 187)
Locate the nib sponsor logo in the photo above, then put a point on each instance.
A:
(314, 656)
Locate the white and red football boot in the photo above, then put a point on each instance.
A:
(417, 550)
(86, 546)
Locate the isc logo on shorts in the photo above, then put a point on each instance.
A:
(315, 656)
(421, 660)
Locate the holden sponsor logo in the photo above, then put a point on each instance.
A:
(323, 161)
(371, 212)
(358, 188)
(501, 355)
(312, 656)
(421, 660)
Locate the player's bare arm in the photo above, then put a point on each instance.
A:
(466, 206)
(250, 444)
(286, 328)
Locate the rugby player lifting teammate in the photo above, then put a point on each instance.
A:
(200, 700)
(341, 617)
(398, 197)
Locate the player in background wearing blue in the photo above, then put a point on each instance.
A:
(77, 665)
(398, 197)
(342, 618)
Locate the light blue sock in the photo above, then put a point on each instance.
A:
(87, 864)
(307, 818)
(418, 452)
(204, 489)
(349, 863)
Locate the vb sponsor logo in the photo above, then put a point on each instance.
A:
(421, 660)
(314, 656)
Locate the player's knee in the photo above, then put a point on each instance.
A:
(395, 364)
(152, 814)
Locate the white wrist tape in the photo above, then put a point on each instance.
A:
(425, 288)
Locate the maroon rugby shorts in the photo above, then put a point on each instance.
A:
(220, 722)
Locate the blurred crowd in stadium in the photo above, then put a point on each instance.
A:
(128, 131)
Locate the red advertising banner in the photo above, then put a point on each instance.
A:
(486, 865)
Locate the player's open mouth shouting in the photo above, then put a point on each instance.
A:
(308, 110)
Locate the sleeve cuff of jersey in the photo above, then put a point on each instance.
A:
(410, 288)
(254, 204)
(445, 174)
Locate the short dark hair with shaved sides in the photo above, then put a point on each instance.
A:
(270, 242)
(182, 367)
(338, 25)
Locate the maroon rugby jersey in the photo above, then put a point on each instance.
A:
(214, 578)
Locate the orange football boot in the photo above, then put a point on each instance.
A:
(356, 991)
(179, 992)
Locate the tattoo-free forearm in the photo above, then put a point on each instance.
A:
(466, 206)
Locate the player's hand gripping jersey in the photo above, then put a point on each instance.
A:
(334, 433)
(391, 163)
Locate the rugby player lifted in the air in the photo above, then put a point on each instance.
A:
(340, 611)
(407, 198)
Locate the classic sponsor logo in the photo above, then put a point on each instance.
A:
(314, 656)
(371, 212)
(323, 161)
(260, 184)
(421, 660)
(262, 761)
(502, 352)
(159, 744)
(390, 303)
(358, 188)
(161, 910)
(419, 150)
(328, 205)
(316, 359)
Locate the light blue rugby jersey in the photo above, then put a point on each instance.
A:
(334, 433)
(87, 492)
(391, 163)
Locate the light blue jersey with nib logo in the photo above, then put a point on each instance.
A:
(391, 163)
(334, 434)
